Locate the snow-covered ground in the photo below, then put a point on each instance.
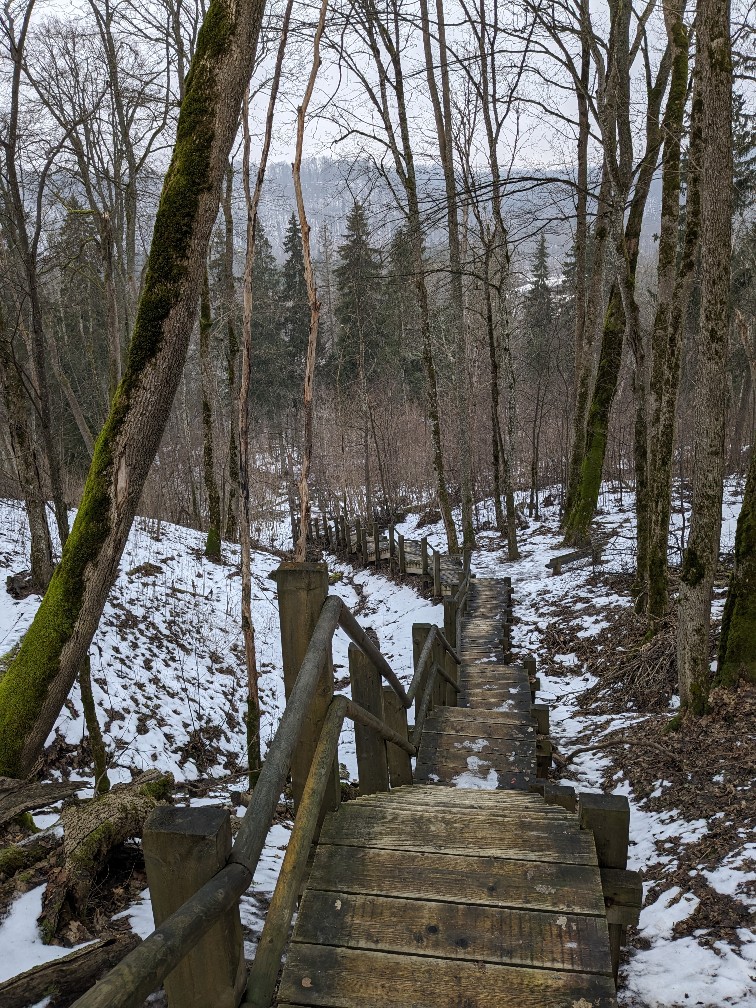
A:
(167, 665)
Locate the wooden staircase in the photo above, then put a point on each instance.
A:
(476, 894)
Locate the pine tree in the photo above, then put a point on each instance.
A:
(295, 310)
(359, 305)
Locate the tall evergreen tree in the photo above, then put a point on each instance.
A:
(359, 305)
(295, 309)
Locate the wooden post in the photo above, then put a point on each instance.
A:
(363, 545)
(395, 716)
(358, 535)
(402, 557)
(302, 590)
(372, 761)
(420, 632)
(450, 621)
(336, 532)
(392, 541)
(424, 556)
(183, 849)
(608, 817)
(438, 590)
(377, 544)
(345, 533)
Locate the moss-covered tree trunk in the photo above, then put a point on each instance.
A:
(737, 644)
(38, 680)
(213, 542)
(580, 516)
(714, 71)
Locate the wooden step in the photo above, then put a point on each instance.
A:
(356, 978)
(481, 934)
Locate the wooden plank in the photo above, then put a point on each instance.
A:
(461, 832)
(477, 720)
(349, 978)
(490, 881)
(455, 931)
(520, 780)
(561, 819)
(444, 744)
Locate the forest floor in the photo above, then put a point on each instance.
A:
(168, 679)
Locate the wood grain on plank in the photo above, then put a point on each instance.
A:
(455, 931)
(460, 832)
(491, 881)
(351, 978)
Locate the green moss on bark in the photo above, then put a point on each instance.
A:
(28, 677)
(579, 519)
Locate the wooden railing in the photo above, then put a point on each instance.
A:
(305, 745)
(364, 542)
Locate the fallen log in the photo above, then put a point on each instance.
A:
(90, 832)
(66, 978)
(29, 852)
(19, 796)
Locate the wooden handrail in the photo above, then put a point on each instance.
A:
(357, 635)
(142, 970)
(129, 983)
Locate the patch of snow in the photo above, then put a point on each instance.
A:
(20, 938)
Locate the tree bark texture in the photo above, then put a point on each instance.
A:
(38, 680)
(213, 542)
(737, 645)
(714, 68)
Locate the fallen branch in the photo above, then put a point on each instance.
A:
(68, 976)
(19, 796)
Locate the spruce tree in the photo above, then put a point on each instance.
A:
(359, 304)
(295, 309)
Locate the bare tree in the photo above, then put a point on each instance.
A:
(714, 70)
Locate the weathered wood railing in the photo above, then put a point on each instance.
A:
(368, 545)
(305, 744)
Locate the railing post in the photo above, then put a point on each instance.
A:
(302, 590)
(336, 532)
(183, 849)
(363, 545)
(420, 633)
(392, 542)
(377, 544)
(357, 535)
(372, 762)
(395, 716)
(345, 533)
(608, 817)
(438, 590)
(402, 557)
(424, 556)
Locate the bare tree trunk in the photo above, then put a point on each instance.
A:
(232, 353)
(21, 431)
(737, 645)
(252, 201)
(442, 112)
(37, 682)
(213, 542)
(675, 277)
(714, 69)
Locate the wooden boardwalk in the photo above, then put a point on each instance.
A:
(477, 894)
